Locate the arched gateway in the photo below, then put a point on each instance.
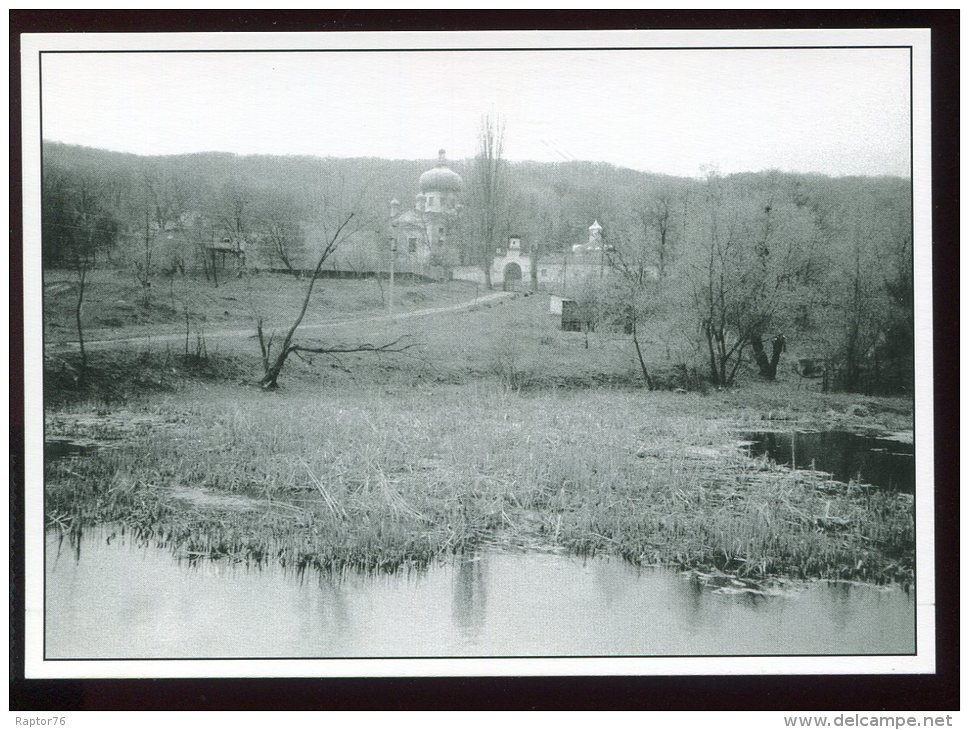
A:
(512, 279)
(511, 267)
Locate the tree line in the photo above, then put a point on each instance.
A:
(726, 271)
(738, 268)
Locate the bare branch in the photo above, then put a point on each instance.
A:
(394, 346)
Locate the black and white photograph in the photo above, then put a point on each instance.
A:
(355, 354)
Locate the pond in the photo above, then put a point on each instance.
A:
(119, 599)
(66, 448)
(881, 462)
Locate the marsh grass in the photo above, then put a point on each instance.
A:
(377, 478)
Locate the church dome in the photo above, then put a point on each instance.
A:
(441, 178)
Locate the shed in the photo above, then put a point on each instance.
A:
(571, 316)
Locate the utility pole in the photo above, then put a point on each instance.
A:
(393, 261)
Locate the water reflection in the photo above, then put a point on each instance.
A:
(880, 462)
(470, 596)
(694, 598)
(123, 601)
(55, 449)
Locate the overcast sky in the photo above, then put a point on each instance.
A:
(834, 111)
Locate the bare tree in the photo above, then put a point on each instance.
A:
(168, 198)
(273, 364)
(870, 292)
(234, 210)
(746, 273)
(337, 228)
(284, 239)
(656, 219)
(233, 215)
(638, 289)
(75, 228)
(199, 234)
(144, 265)
(276, 223)
(537, 246)
(487, 181)
(533, 214)
(159, 207)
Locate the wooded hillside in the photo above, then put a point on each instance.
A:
(736, 267)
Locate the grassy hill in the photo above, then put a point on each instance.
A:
(114, 306)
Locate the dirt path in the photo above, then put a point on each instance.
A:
(250, 332)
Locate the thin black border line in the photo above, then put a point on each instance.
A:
(910, 48)
(477, 49)
(43, 397)
(469, 657)
(915, 501)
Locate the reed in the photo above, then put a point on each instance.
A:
(376, 478)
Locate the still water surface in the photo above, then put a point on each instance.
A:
(881, 462)
(120, 600)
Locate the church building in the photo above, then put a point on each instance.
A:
(420, 235)
(426, 238)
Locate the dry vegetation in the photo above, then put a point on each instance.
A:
(372, 479)
(500, 428)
